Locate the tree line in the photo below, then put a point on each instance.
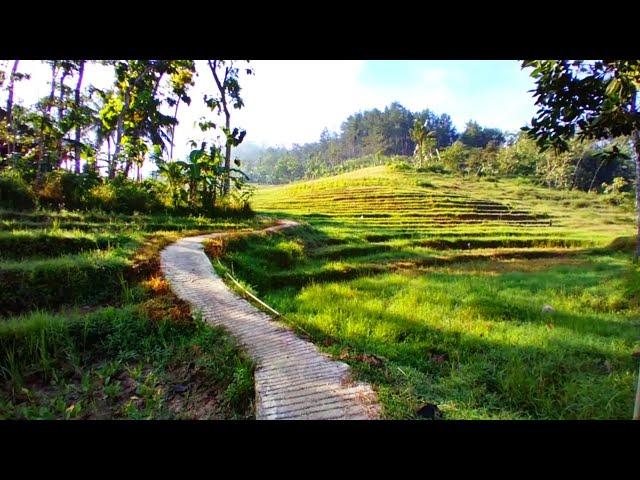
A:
(82, 136)
(430, 141)
(373, 133)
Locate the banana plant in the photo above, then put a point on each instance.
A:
(174, 173)
(207, 175)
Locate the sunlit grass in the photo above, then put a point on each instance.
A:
(443, 280)
(88, 328)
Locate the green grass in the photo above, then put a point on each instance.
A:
(85, 279)
(89, 330)
(36, 243)
(116, 363)
(432, 287)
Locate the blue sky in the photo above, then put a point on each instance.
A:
(291, 101)
(495, 93)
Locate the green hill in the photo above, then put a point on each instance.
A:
(437, 289)
(390, 204)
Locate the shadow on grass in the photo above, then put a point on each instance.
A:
(569, 375)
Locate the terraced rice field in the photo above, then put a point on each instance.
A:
(392, 205)
(432, 287)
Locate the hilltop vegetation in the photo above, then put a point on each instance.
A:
(430, 141)
(432, 286)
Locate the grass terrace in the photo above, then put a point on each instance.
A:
(434, 287)
(90, 330)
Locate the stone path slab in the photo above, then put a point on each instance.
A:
(293, 379)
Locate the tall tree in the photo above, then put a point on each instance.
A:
(45, 120)
(129, 75)
(12, 78)
(590, 99)
(226, 76)
(77, 106)
(182, 73)
(64, 122)
(136, 108)
(476, 136)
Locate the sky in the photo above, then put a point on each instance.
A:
(292, 101)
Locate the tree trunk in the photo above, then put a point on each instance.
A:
(575, 174)
(227, 159)
(77, 107)
(60, 114)
(110, 166)
(636, 143)
(596, 174)
(119, 129)
(173, 129)
(47, 109)
(129, 162)
(10, 108)
(223, 97)
(213, 203)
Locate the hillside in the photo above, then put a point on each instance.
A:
(389, 204)
(490, 299)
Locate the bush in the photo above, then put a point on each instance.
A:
(66, 190)
(75, 188)
(15, 193)
(435, 168)
(287, 253)
(52, 283)
(50, 194)
(102, 197)
(617, 192)
(88, 192)
(623, 244)
(136, 197)
(25, 244)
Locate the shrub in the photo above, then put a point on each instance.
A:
(617, 192)
(288, 253)
(15, 194)
(623, 244)
(435, 168)
(25, 244)
(102, 197)
(66, 190)
(399, 166)
(52, 283)
(50, 194)
(133, 197)
(75, 188)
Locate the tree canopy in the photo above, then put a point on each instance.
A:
(594, 100)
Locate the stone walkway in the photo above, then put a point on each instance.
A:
(293, 380)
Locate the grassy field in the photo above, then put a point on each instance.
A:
(433, 288)
(89, 330)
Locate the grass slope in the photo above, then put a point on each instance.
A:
(432, 287)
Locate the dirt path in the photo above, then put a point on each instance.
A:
(293, 379)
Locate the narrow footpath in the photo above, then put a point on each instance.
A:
(293, 379)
